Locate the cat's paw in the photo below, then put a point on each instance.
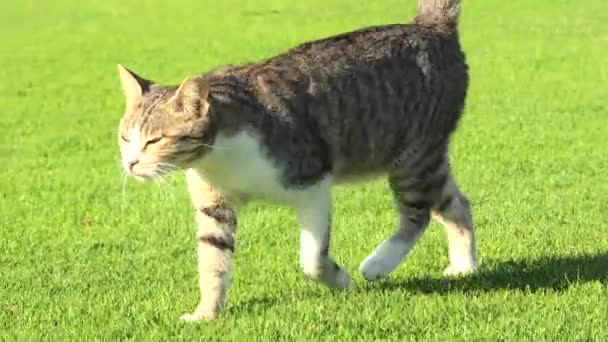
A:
(384, 260)
(379, 265)
(374, 269)
(339, 280)
(343, 280)
(198, 317)
(460, 271)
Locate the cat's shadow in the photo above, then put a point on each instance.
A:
(554, 273)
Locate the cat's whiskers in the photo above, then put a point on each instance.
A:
(125, 178)
(167, 170)
(216, 146)
(156, 177)
(168, 167)
(161, 176)
(160, 183)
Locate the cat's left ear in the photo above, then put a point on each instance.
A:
(133, 85)
(191, 96)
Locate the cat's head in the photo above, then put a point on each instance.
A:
(164, 127)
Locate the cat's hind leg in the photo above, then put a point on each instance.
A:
(453, 211)
(416, 184)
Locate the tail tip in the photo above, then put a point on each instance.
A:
(438, 12)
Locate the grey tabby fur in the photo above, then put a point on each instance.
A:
(381, 100)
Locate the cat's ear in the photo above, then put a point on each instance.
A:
(133, 85)
(191, 96)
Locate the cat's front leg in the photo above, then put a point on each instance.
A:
(216, 220)
(314, 217)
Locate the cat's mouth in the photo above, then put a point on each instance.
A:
(148, 173)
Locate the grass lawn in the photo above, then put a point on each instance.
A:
(82, 259)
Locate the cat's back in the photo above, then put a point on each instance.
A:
(394, 47)
(368, 91)
(380, 70)
(389, 58)
(353, 100)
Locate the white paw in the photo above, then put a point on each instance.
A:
(453, 271)
(197, 317)
(375, 268)
(384, 259)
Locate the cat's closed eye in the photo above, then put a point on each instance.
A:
(189, 139)
(124, 137)
(153, 141)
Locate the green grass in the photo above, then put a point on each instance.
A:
(81, 260)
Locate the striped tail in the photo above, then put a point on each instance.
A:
(438, 13)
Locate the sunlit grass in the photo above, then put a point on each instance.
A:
(81, 259)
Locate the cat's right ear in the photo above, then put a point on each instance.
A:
(133, 85)
(191, 96)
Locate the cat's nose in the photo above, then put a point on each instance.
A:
(132, 163)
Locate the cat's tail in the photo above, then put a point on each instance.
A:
(442, 13)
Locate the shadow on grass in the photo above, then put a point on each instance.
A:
(253, 305)
(259, 304)
(553, 273)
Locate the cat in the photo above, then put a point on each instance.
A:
(377, 101)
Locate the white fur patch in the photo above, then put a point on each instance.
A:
(237, 164)
(313, 208)
(309, 252)
(385, 259)
(461, 265)
(313, 211)
(130, 153)
(462, 262)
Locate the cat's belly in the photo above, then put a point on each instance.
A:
(237, 165)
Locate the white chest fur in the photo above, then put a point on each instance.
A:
(238, 164)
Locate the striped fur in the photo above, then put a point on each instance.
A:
(378, 101)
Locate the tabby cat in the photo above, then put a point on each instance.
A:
(377, 101)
